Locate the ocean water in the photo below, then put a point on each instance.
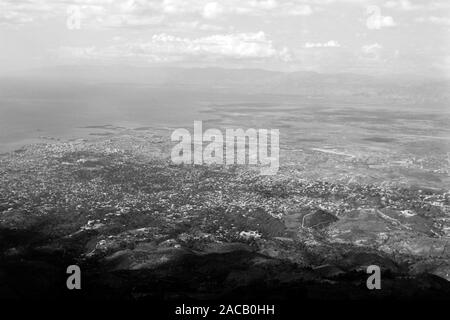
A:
(76, 111)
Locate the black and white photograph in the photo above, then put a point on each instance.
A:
(235, 158)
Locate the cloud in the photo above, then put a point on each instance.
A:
(117, 13)
(181, 26)
(287, 8)
(257, 8)
(211, 10)
(177, 6)
(299, 10)
(14, 18)
(445, 21)
(264, 4)
(402, 4)
(370, 48)
(165, 47)
(371, 51)
(407, 5)
(19, 12)
(329, 44)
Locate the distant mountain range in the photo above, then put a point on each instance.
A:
(247, 80)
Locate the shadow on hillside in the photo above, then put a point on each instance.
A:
(33, 266)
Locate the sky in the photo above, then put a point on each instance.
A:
(329, 36)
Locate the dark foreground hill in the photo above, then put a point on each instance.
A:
(226, 272)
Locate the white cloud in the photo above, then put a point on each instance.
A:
(240, 45)
(77, 52)
(22, 12)
(328, 44)
(408, 5)
(194, 25)
(256, 8)
(370, 48)
(263, 4)
(445, 21)
(14, 18)
(371, 51)
(165, 47)
(401, 4)
(211, 10)
(136, 12)
(299, 10)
